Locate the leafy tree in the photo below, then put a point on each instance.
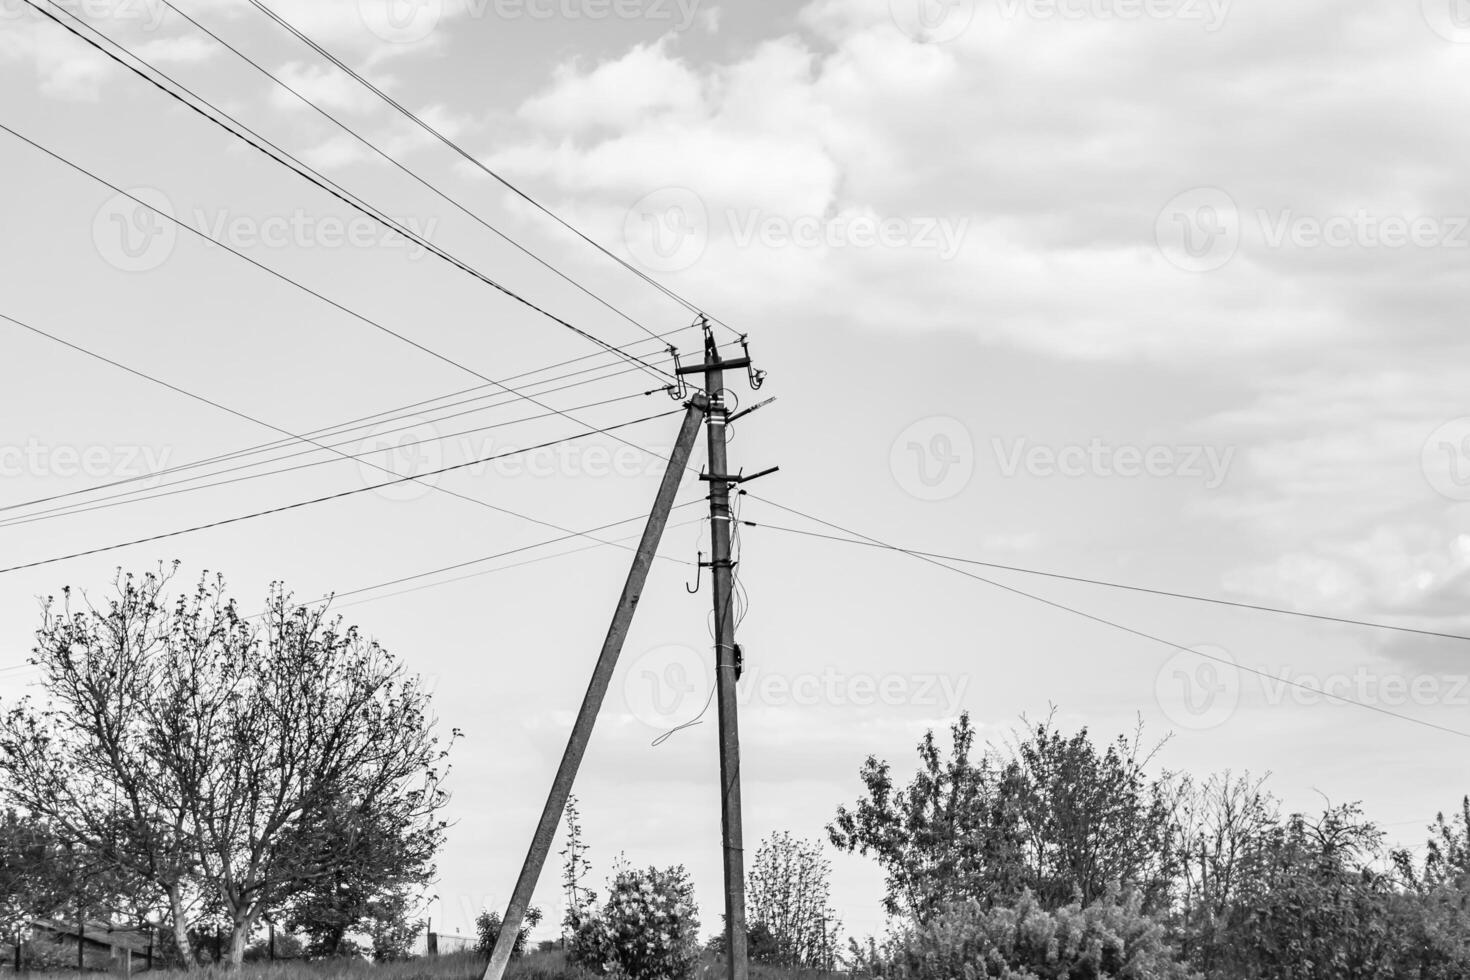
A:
(789, 890)
(1090, 819)
(1433, 913)
(1447, 853)
(1055, 816)
(383, 857)
(954, 832)
(1223, 831)
(35, 878)
(1317, 907)
(391, 925)
(83, 759)
(216, 757)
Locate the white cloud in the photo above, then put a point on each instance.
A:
(327, 87)
(643, 83)
(1410, 574)
(1060, 171)
(176, 50)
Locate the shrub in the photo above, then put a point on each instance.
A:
(1110, 939)
(487, 926)
(288, 947)
(648, 929)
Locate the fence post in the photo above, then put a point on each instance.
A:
(433, 944)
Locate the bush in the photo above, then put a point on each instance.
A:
(487, 926)
(760, 945)
(647, 930)
(1110, 939)
(288, 947)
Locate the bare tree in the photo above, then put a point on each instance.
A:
(225, 761)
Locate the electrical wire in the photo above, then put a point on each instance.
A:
(479, 164)
(146, 493)
(239, 130)
(1274, 610)
(592, 430)
(1115, 625)
(330, 302)
(520, 564)
(17, 669)
(403, 167)
(459, 566)
(739, 598)
(335, 496)
(133, 497)
(349, 425)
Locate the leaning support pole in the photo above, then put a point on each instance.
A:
(607, 661)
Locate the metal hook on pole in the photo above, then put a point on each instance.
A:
(698, 575)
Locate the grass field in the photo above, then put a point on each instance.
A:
(452, 966)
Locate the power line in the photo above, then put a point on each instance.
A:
(144, 493)
(592, 430)
(480, 165)
(503, 554)
(335, 496)
(261, 144)
(1116, 585)
(142, 496)
(403, 167)
(349, 425)
(307, 289)
(16, 669)
(1115, 625)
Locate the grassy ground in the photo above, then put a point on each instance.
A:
(452, 966)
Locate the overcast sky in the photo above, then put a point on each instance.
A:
(1166, 292)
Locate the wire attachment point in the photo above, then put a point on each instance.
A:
(679, 390)
(757, 377)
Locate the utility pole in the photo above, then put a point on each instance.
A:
(727, 655)
(607, 661)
